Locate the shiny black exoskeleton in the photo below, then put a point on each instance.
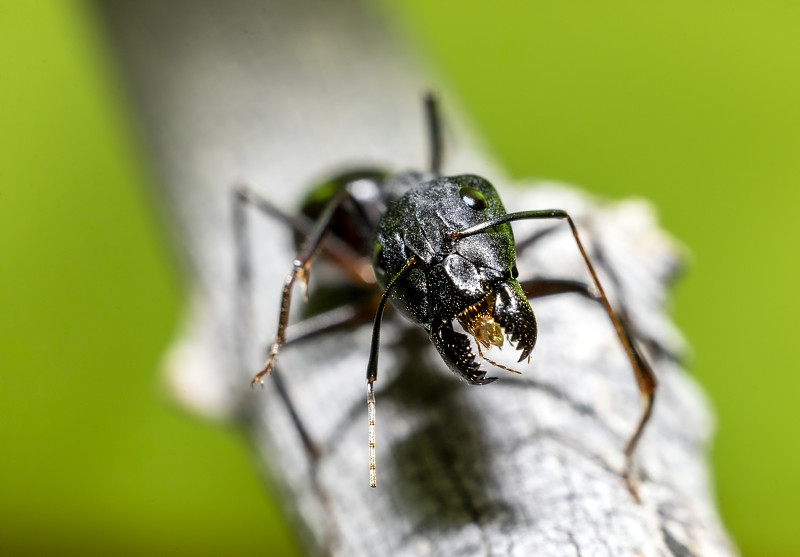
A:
(441, 249)
(471, 280)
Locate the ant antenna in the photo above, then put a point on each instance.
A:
(372, 368)
(434, 132)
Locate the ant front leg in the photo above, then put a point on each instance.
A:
(310, 248)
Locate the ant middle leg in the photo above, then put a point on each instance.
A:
(546, 287)
(542, 287)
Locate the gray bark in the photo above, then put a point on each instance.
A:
(281, 94)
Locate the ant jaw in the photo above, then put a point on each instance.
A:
(506, 309)
(514, 314)
(456, 351)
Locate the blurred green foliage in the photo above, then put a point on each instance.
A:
(95, 460)
(690, 104)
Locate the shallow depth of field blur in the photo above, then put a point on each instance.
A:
(691, 104)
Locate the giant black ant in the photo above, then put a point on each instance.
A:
(442, 251)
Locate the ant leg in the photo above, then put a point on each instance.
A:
(643, 373)
(348, 315)
(657, 348)
(598, 256)
(357, 268)
(434, 133)
(311, 246)
(539, 288)
(562, 286)
(345, 316)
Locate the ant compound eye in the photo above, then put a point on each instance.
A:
(472, 198)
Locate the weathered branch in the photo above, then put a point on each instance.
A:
(281, 94)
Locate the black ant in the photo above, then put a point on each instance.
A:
(441, 249)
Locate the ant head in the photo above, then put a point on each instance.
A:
(421, 221)
(470, 279)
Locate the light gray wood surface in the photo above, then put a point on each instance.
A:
(280, 94)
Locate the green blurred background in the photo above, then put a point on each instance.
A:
(692, 104)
